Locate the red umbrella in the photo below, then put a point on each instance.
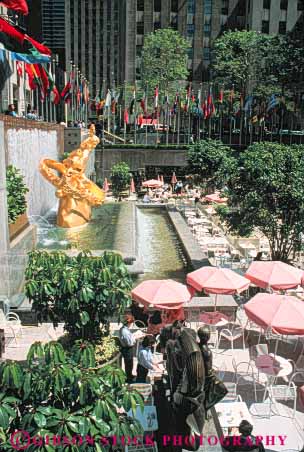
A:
(284, 314)
(213, 280)
(132, 186)
(153, 183)
(274, 274)
(173, 180)
(215, 197)
(163, 294)
(105, 185)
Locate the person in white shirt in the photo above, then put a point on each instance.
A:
(127, 343)
(145, 359)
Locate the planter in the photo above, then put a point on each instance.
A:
(20, 225)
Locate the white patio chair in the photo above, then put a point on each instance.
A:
(232, 335)
(11, 325)
(298, 369)
(283, 393)
(231, 396)
(244, 375)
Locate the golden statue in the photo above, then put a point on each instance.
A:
(76, 192)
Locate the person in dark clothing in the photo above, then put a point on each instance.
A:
(127, 343)
(245, 442)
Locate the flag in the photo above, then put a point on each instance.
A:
(188, 94)
(11, 31)
(108, 100)
(78, 96)
(210, 104)
(231, 96)
(54, 93)
(156, 96)
(254, 119)
(5, 69)
(44, 50)
(66, 93)
(272, 103)
(19, 68)
(248, 104)
(43, 76)
(143, 102)
(175, 105)
(31, 79)
(221, 96)
(205, 107)
(86, 92)
(30, 59)
(16, 5)
(126, 116)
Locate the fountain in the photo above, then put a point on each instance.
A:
(76, 193)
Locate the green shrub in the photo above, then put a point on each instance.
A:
(16, 191)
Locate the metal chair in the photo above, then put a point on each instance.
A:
(231, 396)
(232, 335)
(244, 374)
(283, 393)
(298, 369)
(11, 324)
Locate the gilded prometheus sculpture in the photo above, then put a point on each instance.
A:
(77, 194)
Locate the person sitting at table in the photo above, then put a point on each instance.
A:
(246, 441)
(155, 323)
(127, 342)
(145, 359)
(215, 390)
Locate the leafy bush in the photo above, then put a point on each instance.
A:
(16, 191)
(83, 291)
(120, 178)
(106, 350)
(63, 394)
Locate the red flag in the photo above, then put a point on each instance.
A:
(126, 116)
(78, 96)
(66, 93)
(16, 5)
(55, 96)
(31, 77)
(6, 28)
(43, 77)
(40, 47)
(113, 107)
(19, 68)
(211, 108)
(221, 96)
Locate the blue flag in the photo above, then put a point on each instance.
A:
(273, 102)
(30, 59)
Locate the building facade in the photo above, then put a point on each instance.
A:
(201, 22)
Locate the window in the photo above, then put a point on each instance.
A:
(191, 6)
(140, 5)
(206, 54)
(282, 28)
(266, 4)
(174, 6)
(190, 29)
(157, 6)
(265, 26)
(140, 28)
(284, 4)
(207, 28)
(300, 5)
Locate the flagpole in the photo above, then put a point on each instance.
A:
(65, 104)
(167, 120)
(146, 108)
(24, 90)
(135, 114)
(125, 108)
(221, 112)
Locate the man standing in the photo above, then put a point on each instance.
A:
(127, 343)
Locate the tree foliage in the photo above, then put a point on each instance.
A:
(164, 59)
(120, 178)
(61, 394)
(16, 191)
(83, 291)
(265, 192)
(257, 63)
(208, 161)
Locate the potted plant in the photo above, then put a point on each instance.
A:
(16, 201)
(120, 179)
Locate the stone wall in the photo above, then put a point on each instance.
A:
(26, 143)
(138, 158)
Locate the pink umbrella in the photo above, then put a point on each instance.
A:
(153, 183)
(283, 314)
(215, 197)
(163, 294)
(173, 179)
(274, 274)
(105, 185)
(132, 186)
(217, 281)
(214, 318)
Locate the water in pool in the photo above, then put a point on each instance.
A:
(159, 247)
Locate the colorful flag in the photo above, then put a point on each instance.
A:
(210, 107)
(5, 69)
(108, 100)
(44, 50)
(30, 59)
(248, 104)
(11, 31)
(86, 92)
(143, 102)
(16, 5)
(272, 103)
(205, 107)
(19, 68)
(31, 78)
(126, 116)
(188, 95)
(66, 93)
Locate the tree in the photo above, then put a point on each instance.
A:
(265, 192)
(57, 393)
(83, 291)
(208, 161)
(120, 178)
(164, 59)
(238, 59)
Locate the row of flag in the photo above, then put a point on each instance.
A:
(203, 106)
